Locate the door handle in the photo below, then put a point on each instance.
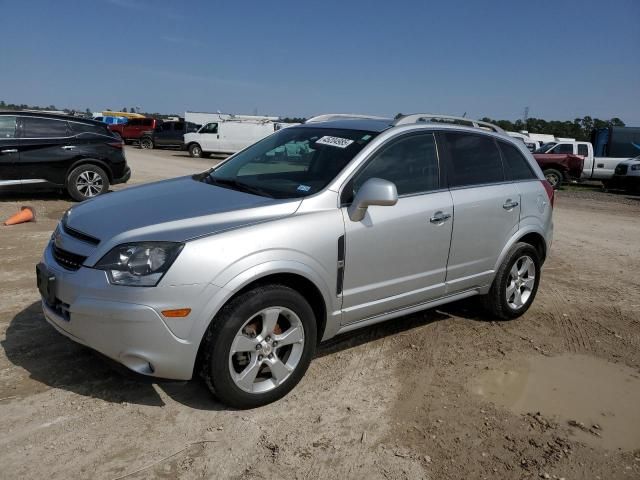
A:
(509, 204)
(10, 150)
(68, 147)
(440, 217)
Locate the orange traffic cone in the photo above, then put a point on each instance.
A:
(26, 214)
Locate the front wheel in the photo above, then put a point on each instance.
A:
(87, 181)
(195, 150)
(554, 177)
(515, 284)
(259, 346)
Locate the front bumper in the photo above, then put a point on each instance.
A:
(625, 182)
(125, 323)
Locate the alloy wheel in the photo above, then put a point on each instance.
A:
(266, 350)
(89, 183)
(522, 278)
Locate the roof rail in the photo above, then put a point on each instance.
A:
(342, 116)
(431, 117)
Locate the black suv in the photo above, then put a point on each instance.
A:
(168, 134)
(57, 151)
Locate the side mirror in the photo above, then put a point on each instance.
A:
(374, 191)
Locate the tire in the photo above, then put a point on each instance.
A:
(87, 181)
(195, 150)
(554, 177)
(502, 299)
(245, 320)
(146, 143)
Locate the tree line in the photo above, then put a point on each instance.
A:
(579, 128)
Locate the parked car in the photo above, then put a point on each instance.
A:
(168, 134)
(238, 272)
(135, 128)
(559, 168)
(75, 154)
(229, 136)
(627, 176)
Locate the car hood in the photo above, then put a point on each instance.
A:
(172, 210)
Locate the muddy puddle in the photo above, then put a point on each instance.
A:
(598, 399)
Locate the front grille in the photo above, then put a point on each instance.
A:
(68, 260)
(79, 235)
(621, 169)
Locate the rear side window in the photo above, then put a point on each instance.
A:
(583, 150)
(44, 128)
(78, 128)
(515, 163)
(147, 122)
(135, 122)
(474, 160)
(411, 163)
(7, 126)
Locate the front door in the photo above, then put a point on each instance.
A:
(209, 137)
(396, 256)
(487, 208)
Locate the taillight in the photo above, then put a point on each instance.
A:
(550, 192)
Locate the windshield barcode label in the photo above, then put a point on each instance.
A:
(335, 142)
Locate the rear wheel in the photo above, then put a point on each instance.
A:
(259, 346)
(146, 143)
(87, 181)
(516, 283)
(554, 177)
(195, 150)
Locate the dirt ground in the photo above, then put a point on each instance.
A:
(440, 394)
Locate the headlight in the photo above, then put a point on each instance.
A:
(139, 264)
(635, 167)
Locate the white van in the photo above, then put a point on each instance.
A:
(226, 136)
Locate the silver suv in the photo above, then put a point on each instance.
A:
(240, 271)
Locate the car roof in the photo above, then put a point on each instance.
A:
(369, 125)
(53, 116)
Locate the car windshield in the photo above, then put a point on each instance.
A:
(291, 163)
(545, 147)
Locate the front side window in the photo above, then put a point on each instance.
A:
(515, 163)
(34, 127)
(411, 163)
(474, 160)
(292, 163)
(563, 148)
(7, 126)
(210, 128)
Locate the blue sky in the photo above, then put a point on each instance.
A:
(562, 59)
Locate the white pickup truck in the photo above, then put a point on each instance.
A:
(595, 168)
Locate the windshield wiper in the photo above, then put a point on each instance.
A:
(243, 187)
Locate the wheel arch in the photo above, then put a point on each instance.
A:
(533, 236)
(89, 161)
(299, 279)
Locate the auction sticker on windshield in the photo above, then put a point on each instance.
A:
(335, 141)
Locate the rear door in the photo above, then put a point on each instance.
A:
(486, 208)
(9, 151)
(47, 151)
(175, 135)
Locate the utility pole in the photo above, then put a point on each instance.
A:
(526, 116)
